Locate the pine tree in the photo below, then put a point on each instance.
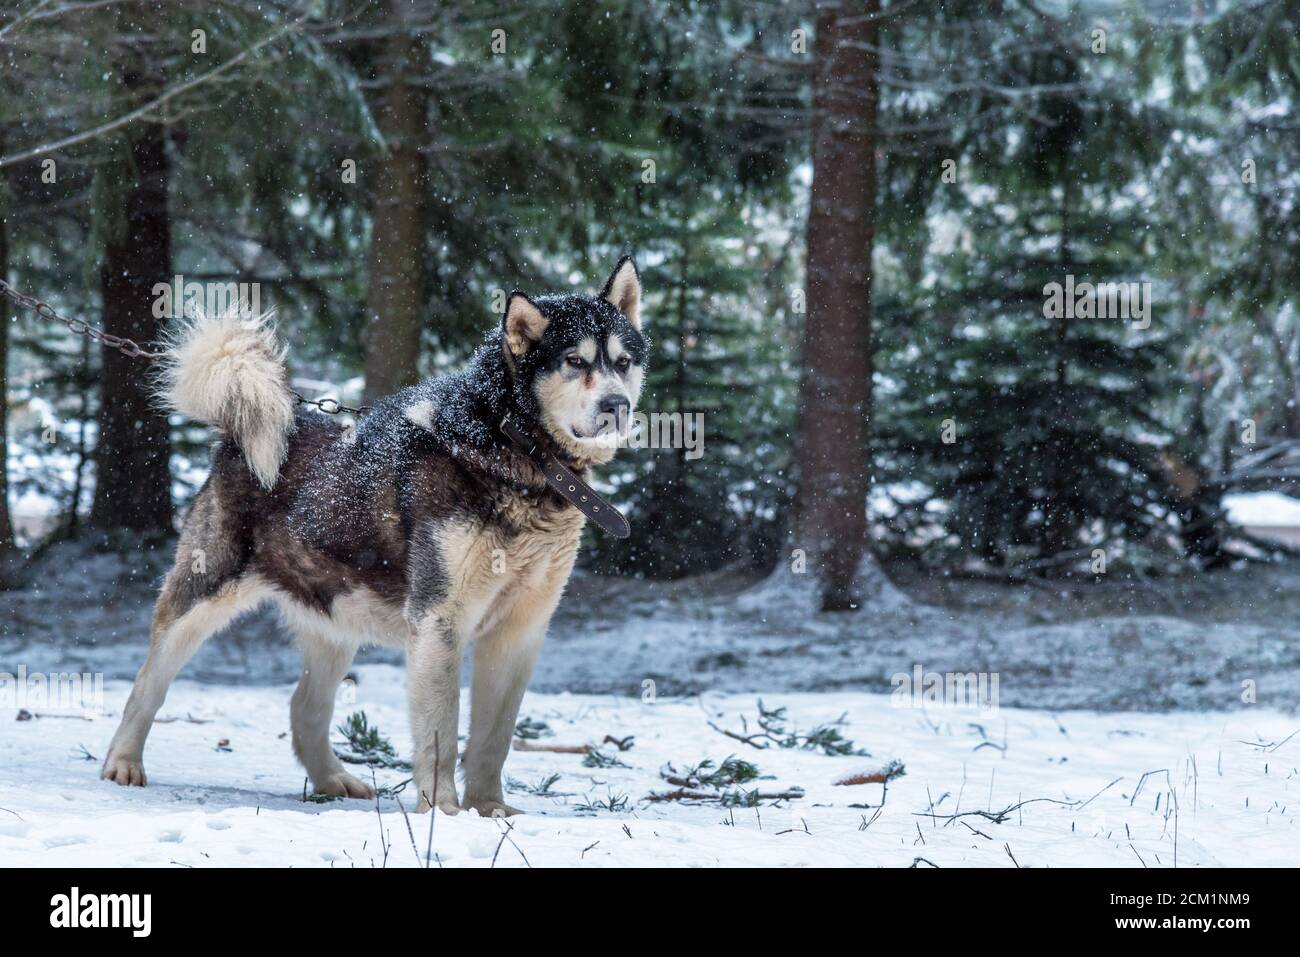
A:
(6, 524)
(1235, 78)
(678, 176)
(716, 360)
(1037, 429)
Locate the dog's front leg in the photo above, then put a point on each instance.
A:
(433, 692)
(503, 663)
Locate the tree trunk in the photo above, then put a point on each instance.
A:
(72, 520)
(835, 391)
(132, 458)
(6, 525)
(1057, 535)
(395, 299)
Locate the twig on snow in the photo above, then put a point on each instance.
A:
(1273, 745)
(379, 814)
(505, 836)
(409, 830)
(685, 794)
(997, 817)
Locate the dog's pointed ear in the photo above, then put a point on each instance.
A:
(523, 324)
(623, 291)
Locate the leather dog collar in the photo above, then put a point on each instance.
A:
(571, 488)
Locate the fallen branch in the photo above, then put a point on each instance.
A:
(773, 731)
(522, 744)
(25, 715)
(749, 740)
(732, 771)
(373, 760)
(530, 744)
(894, 769)
(685, 794)
(975, 830)
(997, 817)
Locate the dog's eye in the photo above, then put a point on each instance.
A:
(576, 361)
(623, 363)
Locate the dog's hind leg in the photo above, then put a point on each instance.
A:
(180, 625)
(324, 664)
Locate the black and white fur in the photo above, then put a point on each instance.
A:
(421, 528)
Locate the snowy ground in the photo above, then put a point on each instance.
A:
(1145, 646)
(1105, 790)
(1098, 685)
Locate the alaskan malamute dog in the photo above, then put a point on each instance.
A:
(424, 527)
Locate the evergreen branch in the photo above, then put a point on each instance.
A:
(145, 109)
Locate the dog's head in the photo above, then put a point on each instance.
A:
(578, 362)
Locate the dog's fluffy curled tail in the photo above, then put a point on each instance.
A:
(229, 372)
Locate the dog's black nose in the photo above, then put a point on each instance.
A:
(615, 405)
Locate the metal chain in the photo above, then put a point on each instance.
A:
(328, 406)
(129, 347)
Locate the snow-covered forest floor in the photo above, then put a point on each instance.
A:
(1157, 645)
(1020, 787)
(1166, 764)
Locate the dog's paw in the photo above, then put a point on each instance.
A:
(493, 808)
(342, 784)
(124, 771)
(447, 806)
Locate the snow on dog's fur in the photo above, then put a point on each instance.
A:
(229, 372)
(422, 527)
